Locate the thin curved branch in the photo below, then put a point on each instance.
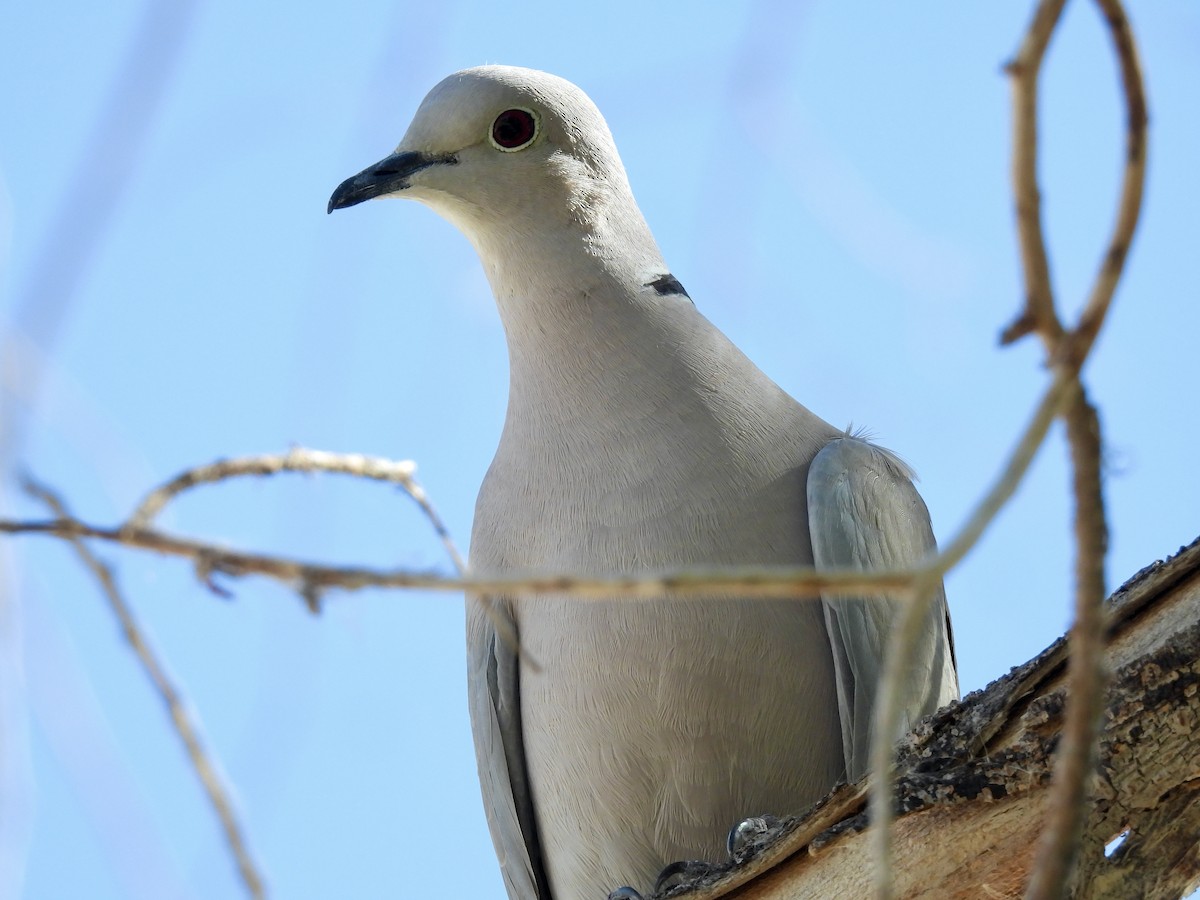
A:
(1060, 841)
(1059, 847)
(903, 641)
(299, 459)
(1129, 206)
(188, 729)
(1068, 351)
(1039, 314)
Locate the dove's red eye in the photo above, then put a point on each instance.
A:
(514, 129)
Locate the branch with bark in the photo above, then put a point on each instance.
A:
(974, 781)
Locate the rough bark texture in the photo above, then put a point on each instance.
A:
(971, 787)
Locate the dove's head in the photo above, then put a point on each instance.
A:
(504, 149)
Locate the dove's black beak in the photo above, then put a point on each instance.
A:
(385, 177)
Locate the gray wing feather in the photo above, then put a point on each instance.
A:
(493, 690)
(864, 514)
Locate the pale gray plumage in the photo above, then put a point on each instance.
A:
(639, 438)
(864, 513)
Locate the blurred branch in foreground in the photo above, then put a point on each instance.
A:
(186, 724)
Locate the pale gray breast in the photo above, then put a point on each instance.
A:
(745, 685)
(652, 495)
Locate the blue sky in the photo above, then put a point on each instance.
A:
(828, 180)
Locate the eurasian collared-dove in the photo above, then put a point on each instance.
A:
(638, 438)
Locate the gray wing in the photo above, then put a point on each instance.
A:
(493, 692)
(865, 514)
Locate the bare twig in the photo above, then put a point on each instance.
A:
(399, 472)
(295, 460)
(1133, 181)
(1039, 314)
(780, 581)
(300, 459)
(903, 640)
(185, 726)
(1059, 846)
(422, 500)
(1060, 840)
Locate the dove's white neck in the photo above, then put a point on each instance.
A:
(597, 353)
(582, 318)
(605, 367)
(572, 276)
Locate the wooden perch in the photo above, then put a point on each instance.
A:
(972, 780)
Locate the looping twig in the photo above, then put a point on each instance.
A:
(1039, 314)
(1067, 352)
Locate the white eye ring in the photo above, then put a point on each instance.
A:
(515, 129)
